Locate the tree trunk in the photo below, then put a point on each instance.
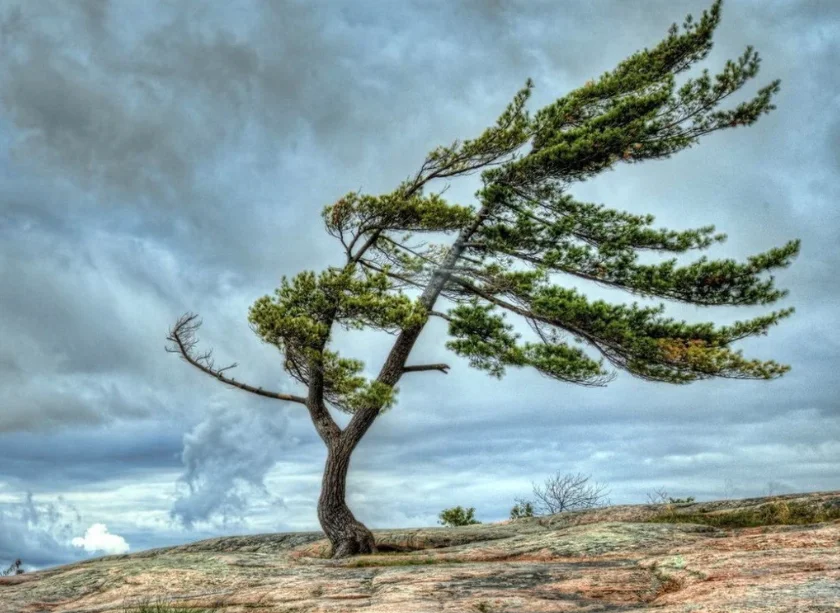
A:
(347, 535)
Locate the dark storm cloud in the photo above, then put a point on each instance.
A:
(226, 451)
(160, 157)
(72, 457)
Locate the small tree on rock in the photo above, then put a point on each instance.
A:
(457, 516)
(521, 509)
(569, 493)
(660, 496)
(504, 256)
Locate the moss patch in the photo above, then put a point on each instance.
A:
(777, 513)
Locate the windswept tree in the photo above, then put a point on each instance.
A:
(507, 251)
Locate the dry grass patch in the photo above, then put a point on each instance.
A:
(777, 513)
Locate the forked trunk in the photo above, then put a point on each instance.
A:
(347, 535)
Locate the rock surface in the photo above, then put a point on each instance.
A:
(612, 559)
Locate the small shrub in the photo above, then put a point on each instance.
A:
(660, 496)
(522, 509)
(570, 493)
(688, 500)
(457, 516)
(775, 513)
(657, 496)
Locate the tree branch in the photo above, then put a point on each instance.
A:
(392, 369)
(182, 335)
(352, 259)
(529, 315)
(444, 368)
(390, 274)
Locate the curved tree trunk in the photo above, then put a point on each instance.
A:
(347, 535)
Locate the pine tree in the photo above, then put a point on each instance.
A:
(505, 254)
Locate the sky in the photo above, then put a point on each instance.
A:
(160, 157)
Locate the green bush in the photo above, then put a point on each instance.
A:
(660, 496)
(456, 516)
(690, 499)
(522, 509)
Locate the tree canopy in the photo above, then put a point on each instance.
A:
(526, 229)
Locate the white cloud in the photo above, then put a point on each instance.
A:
(97, 538)
(226, 456)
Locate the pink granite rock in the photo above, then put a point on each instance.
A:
(612, 559)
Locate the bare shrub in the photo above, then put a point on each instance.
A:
(658, 496)
(570, 493)
(14, 569)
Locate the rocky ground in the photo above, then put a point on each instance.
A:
(612, 559)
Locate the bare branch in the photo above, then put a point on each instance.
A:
(392, 275)
(444, 368)
(410, 250)
(183, 338)
(353, 258)
(570, 493)
(14, 569)
(658, 496)
(392, 369)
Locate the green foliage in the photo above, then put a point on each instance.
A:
(635, 338)
(302, 306)
(630, 114)
(374, 394)
(602, 245)
(457, 516)
(416, 213)
(522, 509)
(297, 320)
(633, 112)
(487, 341)
(526, 228)
(550, 225)
(688, 500)
(513, 128)
(484, 338)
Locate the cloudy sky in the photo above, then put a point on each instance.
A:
(162, 157)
